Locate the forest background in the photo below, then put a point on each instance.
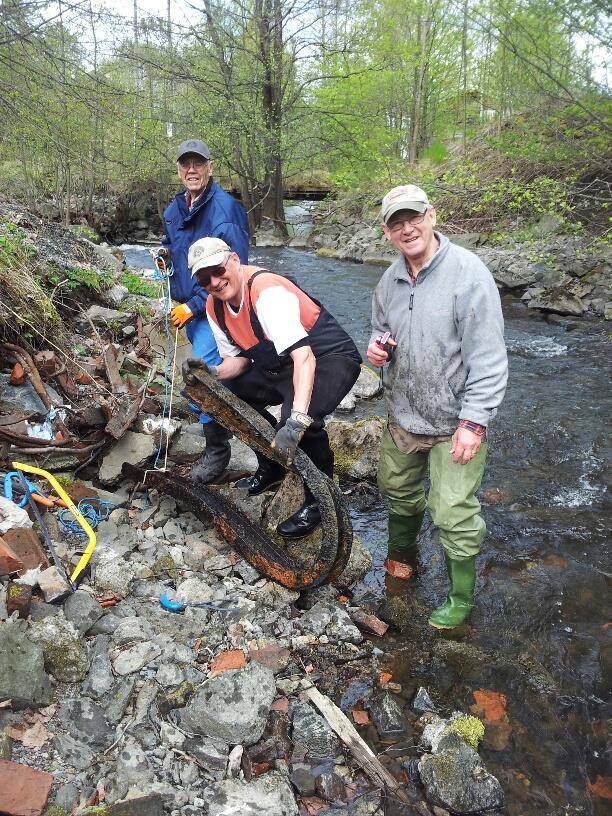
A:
(497, 107)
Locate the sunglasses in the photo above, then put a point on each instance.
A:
(204, 275)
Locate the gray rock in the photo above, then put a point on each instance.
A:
(132, 630)
(65, 654)
(86, 721)
(559, 301)
(269, 794)
(22, 672)
(422, 702)
(368, 384)
(387, 716)
(106, 625)
(83, 610)
(134, 658)
(40, 610)
(53, 584)
(133, 765)
(173, 532)
(116, 701)
(100, 678)
(194, 590)
(329, 618)
(74, 752)
(166, 511)
(102, 316)
(169, 675)
(151, 805)
(359, 564)
(134, 448)
(186, 448)
(115, 575)
(329, 786)
(455, 778)
(303, 780)
(312, 732)
(66, 796)
(356, 446)
(233, 706)
(115, 296)
(211, 753)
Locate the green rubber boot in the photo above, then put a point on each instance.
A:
(402, 547)
(458, 605)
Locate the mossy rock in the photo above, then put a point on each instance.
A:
(470, 729)
(356, 446)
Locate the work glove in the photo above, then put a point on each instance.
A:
(180, 315)
(288, 437)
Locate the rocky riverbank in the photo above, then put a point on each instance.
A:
(549, 270)
(113, 704)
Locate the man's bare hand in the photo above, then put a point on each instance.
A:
(464, 445)
(377, 355)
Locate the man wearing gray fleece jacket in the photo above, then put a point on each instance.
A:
(445, 372)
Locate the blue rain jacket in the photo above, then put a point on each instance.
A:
(217, 215)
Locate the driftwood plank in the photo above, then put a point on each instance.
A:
(343, 727)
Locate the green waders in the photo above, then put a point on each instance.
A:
(454, 509)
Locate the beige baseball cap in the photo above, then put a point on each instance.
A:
(207, 252)
(404, 197)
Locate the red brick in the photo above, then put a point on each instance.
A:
(9, 562)
(369, 622)
(232, 659)
(26, 545)
(23, 790)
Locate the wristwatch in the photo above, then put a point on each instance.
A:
(302, 418)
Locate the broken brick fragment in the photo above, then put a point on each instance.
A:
(9, 561)
(26, 545)
(18, 375)
(23, 791)
(232, 659)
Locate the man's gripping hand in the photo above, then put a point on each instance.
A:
(378, 354)
(180, 315)
(288, 437)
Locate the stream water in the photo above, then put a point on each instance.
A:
(541, 633)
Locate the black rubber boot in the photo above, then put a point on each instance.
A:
(267, 476)
(216, 456)
(303, 521)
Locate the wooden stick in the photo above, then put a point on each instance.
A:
(342, 726)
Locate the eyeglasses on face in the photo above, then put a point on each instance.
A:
(195, 162)
(412, 220)
(205, 275)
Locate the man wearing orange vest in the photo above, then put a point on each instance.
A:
(279, 346)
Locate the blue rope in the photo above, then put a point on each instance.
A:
(92, 509)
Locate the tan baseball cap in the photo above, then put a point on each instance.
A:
(207, 252)
(404, 197)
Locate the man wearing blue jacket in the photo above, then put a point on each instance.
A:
(203, 209)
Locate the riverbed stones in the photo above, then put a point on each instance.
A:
(387, 716)
(23, 679)
(85, 720)
(312, 733)
(82, 610)
(64, 652)
(74, 752)
(134, 448)
(134, 657)
(233, 706)
(455, 778)
(100, 678)
(115, 575)
(268, 794)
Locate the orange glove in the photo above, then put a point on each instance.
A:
(180, 315)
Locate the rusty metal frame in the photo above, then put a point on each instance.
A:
(248, 538)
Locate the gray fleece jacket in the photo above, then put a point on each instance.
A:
(450, 362)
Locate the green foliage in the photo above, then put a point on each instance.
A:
(86, 231)
(136, 285)
(436, 153)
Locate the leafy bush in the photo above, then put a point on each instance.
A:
(138, 286)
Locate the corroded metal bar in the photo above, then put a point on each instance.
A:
(251, 541)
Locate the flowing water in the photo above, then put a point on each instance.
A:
(541, 633)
